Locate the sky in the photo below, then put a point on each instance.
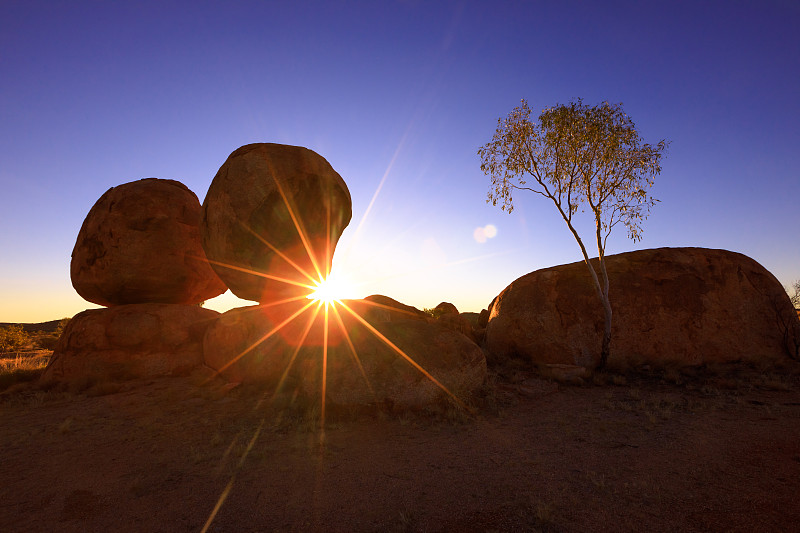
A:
(398, 96)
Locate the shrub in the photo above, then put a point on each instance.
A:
(13, 338)
(47, 342)
(62, 324)
(432, 312)
(23, 368)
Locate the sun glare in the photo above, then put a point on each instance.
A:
(329, 290)
(333, 291)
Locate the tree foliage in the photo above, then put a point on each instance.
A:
(795, 296)
(13, 338)
(579, 157)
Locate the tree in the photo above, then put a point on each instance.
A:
(795, 298)
(578, 157)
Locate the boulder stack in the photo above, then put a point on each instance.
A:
(267, 230)
(138, 252)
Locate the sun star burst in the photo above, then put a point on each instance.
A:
(328, 291)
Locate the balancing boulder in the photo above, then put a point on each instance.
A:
(140, 243)
(672, 306)
(271, 220)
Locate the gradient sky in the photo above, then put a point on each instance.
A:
(397, 96)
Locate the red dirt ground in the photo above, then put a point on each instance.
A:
(647, 454)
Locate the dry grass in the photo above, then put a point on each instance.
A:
(20, 367)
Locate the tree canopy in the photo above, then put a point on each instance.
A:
(579, 157)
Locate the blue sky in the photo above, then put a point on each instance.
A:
(397, 96)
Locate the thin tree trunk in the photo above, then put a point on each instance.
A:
(605, 350)
(602, 293)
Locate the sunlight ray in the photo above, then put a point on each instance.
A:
(328, 252)
(228, 451)
(346, 252)
(279, 302)
(298, 225)
(280, 254)
(218, 506)
(256, 273)
(405, 356)
(226, 491)
(324, 374)
(265, 337)
(350, 345)
(300, 344)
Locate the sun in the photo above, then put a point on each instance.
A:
(330, 290)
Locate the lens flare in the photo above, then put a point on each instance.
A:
(330, 290)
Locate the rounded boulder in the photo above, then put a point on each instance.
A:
(271, 220)
(671, 306)
(140, 243)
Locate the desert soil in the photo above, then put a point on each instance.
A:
(183, 454)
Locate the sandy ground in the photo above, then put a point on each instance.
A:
(174, 455)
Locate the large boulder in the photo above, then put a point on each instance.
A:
(140, 243)
(402, 362)
(271, 220)
(128, 342)
(409, 363)
(671, 306)
(245, 345)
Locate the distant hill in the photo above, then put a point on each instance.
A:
(47, 327)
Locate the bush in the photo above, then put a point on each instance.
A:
(47, 342)
(61, 325)
(13, 338)
(432, 312)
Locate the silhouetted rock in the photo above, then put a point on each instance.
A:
(483, 318)
(129, 341)
(684, 306)
(247, 345)
(445, 308)
(457, 322)
(257, 205)
(389, 376)
(379, 308)
(446, 315)
(140, 243)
